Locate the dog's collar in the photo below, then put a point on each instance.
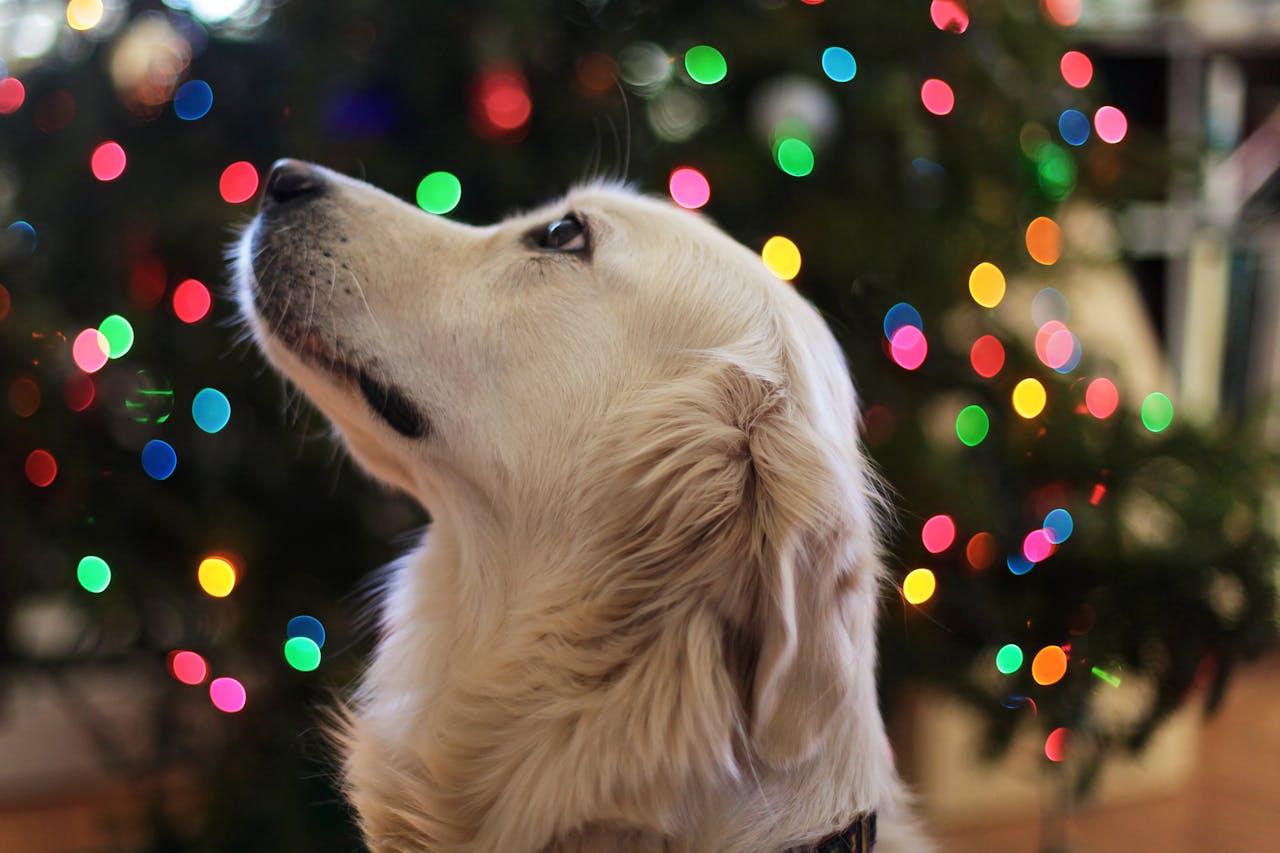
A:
(857, 837)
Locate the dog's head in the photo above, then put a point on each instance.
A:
(607, 372)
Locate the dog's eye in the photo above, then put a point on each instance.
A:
(566, 234)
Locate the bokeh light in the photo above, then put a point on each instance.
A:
(228, 695)
(938, 533)
(78, 392)
(839, 65)
(1059, 346)
(937, 97)
(1029, 398)
(24, 396)
(1064, 13)
(210, 409)
(1019, 564)
(150, 400)
(794, 156)
(918, 586)
(909, 347)
(781, 257)
(980, 551)
(302, 653)
(193, 100)
(1049, 665)
(159, 459)
(1157, 412)
(191, 301)
(1037, 547)
(1044, 240)
(1055, 171)
(90, 350)
(901, 314)
(188, 667)
(1109, 678)
(986, 284)
(306, 626)
(22, 233)
(689, 188)
(238, 182)
(1073, 126)
(439, 192)
(93, 574)
(987, 356)
(949, 16)
(1077, 69)
(1055, 745)
(1048, 305)
(217, 577)
(502, 106)
(118, 333)
(972, 425)
(41, 468)
(705, 64)
(1058, 525)
(108, 161)
(12, 95)
(1110, 124)
(1009, 658)
(1101, 398)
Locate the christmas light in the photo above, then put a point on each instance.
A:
(302, 653)
(1044, 241)
(193, 100)
(24, 396)
(986, 284)
(1009, 658)
(1113, 680)
(949, 16)
(987, 356)
(216, 576)
(191, 301)
(901, 314)
(78, 392)
(1048, 305)
(1073, 126)
(90, 350)
(93, 574)
(1019, 564)
(108, 161)
(228, 695)
(795, 157)
(1055, 745)
(306, 626)
(1049, 665)
(210, 409)
(118, 333)
(972, 425)
(1157, 412)
(1058, 526)
(918, 586)
(1101, 398)
(238, 183)
(839, 65)
(781, 257)
(1037, 547)
(12, 95)
(908, 347)
(439, 192)
(937, 97)
(1029, 398)
(689, 188)
(705, 64)
(1110, 124)
(188, 667)
(981, 551)
(159, 459)
(1077, 69)
(938, 533)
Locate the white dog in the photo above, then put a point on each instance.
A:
(644, 616)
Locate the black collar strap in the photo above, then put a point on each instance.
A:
(857, 837)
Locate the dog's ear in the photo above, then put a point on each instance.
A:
(811, 504)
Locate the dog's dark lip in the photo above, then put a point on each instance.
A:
(394, 408)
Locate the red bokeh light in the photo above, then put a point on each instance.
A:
(188, 667)
(1101, 398)
(937, 97)
(238, 183)
(108, 161)
(1057, 743)
(1077, 69)
(191, 301)
(938, 534)
(79, 392)
(949, 16)
(987, 356)
(41, 467)
(501, 105)
(12, 94)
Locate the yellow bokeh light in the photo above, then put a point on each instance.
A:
(217, 576)
(1049, 666)
(1029, 398)
(1044, 240)
(84, 14)
(986, 284)
(919, 585)
(782, 257)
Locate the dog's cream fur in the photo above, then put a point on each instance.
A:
(643, 618)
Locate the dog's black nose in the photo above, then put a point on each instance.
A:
(291, 180)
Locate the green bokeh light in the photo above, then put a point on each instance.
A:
(119, 335)
(302, 653)
(705, 64)
(795, 157)
(972, 425)
(1009, 659)
(1157, 412)
(1056, 171)
(439, 192)
(93, 573)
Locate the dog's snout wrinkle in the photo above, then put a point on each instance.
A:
(291, 180)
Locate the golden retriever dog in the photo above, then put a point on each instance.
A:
(643, 617)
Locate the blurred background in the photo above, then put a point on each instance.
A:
(1046, 232)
